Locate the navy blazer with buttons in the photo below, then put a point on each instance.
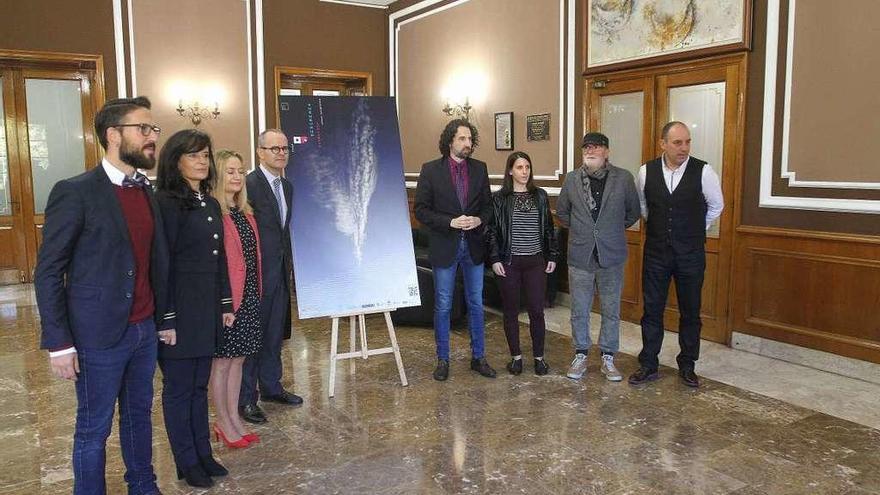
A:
(84, 278)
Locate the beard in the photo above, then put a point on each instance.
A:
(136, 157)
(463, 154)
(594, 163)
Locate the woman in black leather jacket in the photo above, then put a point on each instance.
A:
(522, 250)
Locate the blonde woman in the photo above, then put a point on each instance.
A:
(243, 338)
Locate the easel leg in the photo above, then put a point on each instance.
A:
(334, 337)
(352, 340)
(393, 336)
(362, 319)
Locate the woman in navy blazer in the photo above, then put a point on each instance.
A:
(199, 302)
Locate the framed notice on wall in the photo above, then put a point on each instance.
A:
(504, 131)
(538, 127)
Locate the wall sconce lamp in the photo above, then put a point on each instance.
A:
(461, 110)
(196, 113)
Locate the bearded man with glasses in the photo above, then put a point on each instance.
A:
(100, 283)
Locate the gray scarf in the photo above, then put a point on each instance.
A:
(585, 178)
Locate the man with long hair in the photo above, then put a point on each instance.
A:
(453, 202)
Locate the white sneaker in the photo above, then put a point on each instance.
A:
(578, 367)
(609, 370)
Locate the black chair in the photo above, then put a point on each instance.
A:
(423, 315)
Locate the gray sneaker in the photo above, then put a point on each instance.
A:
(609, 370)
(578, 367)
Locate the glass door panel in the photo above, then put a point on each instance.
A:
(55, 134)
(701, 107)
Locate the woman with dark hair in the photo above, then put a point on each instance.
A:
(199, 302)
(522, 250)
(242, 246)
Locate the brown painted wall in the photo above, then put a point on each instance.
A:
(208, 64)
(775, 217)
(70, 26)
(429, 63)
(308, 33)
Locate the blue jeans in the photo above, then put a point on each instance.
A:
(125, 372)
(444, 287)
(582, 285)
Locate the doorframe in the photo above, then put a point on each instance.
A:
(734, 201)
(318, 74)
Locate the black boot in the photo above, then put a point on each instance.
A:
(212, 467)
(195, 476)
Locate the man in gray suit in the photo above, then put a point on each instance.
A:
(598, 202)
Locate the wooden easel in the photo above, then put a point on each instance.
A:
(359, 320)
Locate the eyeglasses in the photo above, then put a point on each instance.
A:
(145, 129)
(276, 150)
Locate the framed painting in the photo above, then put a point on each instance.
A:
(504, 131)
(623, 34)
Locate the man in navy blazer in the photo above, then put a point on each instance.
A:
(454, 204)
(271, 196)
(99, 280)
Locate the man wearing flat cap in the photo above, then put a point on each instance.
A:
(598, 202)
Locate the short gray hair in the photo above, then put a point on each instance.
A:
(668, 127)
(261, 138)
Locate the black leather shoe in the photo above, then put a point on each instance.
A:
(514, 367)
(482, 367)
(689, 378)
(252, 414)
(441, 372)
(541, 367)
(195, 476)
(212, 467)
(285, 397)
(643, 375)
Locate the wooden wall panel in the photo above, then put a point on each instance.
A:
(811, 289)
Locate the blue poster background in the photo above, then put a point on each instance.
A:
(350, 229)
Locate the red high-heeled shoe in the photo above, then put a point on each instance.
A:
(251, 437)
(238, 444)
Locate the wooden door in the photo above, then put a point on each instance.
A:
(48, 117)
(631, 108)
(13, 248)
(623, 110)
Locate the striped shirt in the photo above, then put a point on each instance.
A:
(525, 233)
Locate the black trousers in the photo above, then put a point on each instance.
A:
(264, 367)
(659, 267)
(185, 406)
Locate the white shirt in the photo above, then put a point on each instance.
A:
(270, 176)
(116, 176)
(711, 188)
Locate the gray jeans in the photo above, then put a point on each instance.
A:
(582, 284)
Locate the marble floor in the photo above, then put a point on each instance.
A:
(523, 434)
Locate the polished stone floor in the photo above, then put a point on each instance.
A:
(523, 434)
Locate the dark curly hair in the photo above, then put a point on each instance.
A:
(449, 134)
(168, 176)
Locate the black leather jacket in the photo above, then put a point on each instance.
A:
(499, 231)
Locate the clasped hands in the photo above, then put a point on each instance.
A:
(465, 222)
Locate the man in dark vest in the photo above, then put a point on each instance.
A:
(680, 197)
